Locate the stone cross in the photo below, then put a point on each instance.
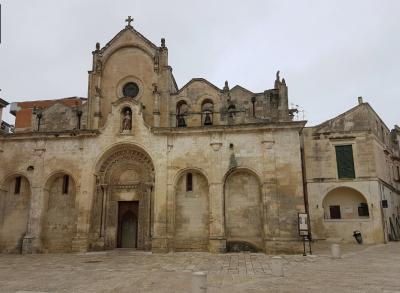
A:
(129, 20)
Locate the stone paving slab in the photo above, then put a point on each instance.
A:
(362, 269)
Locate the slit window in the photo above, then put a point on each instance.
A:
(17, 188)
(65, 185)
(189, 182)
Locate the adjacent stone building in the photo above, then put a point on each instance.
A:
(143, 163)
(352, 177)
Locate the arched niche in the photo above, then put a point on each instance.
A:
(15, 196)
(59, 222)
(126, 120)
(243, 211)
(124, 181)
(345, 203)
(191, 212)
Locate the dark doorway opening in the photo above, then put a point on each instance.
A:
(335, 212)
(127, 224)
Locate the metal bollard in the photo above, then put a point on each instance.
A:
(335, 250)
(199, 282)
(277, 266)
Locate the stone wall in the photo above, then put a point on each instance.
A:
(14, 211)
(59, 215)
(191, 213)
(243, 209)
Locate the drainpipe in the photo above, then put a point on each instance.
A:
(383, 214)
(304, 177)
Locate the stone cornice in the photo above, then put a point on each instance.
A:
(251, 127)
(49, 134)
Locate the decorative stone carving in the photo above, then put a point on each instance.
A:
(127, 121)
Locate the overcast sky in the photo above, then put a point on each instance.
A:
(329, 52)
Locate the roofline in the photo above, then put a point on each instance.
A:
(128, 27)
(199, 79)
(61, 99)
(243, 88)
(3, 103)
(349, 111)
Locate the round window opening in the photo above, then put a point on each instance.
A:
(130, 89)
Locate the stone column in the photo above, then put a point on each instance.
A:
(217, 242)
(85, 192)
(160, 241)
(32, 240)
(170, 215)
(269, 193)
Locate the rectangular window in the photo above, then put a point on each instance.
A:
(17, 188)
(65, 184)
(363, 210)
(189, 182)
(335, 212)
(345, 162)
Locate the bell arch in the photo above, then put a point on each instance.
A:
(15, 196)
(243, 211)
(207, 110)
(124, 177)
(59, 221)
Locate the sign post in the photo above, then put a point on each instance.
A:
(304, 230)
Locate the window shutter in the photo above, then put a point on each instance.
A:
(344, 160)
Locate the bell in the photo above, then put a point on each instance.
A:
(207, 119)
(181, 121)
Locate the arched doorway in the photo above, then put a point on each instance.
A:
(243, 210)
(191, 212)
(122, 213)
(60, 214)
(15, 195)
(128, 230)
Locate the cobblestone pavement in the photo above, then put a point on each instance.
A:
(362, 269)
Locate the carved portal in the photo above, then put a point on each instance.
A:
(124, 176)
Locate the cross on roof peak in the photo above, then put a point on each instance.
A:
(129, 20)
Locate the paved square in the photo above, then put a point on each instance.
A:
(362, 269)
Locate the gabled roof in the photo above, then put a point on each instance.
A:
(350, 111)
(238, 87)
(199, 80)
(121, 32)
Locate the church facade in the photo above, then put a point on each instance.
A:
(144, 164)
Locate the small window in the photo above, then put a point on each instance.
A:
(345, 162)
(335, 212)
(189, 182)
(363, 210)
(17, 188)
(65, 185)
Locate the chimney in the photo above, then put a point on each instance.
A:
(360, 100)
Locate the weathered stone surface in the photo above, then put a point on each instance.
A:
(245, 162)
